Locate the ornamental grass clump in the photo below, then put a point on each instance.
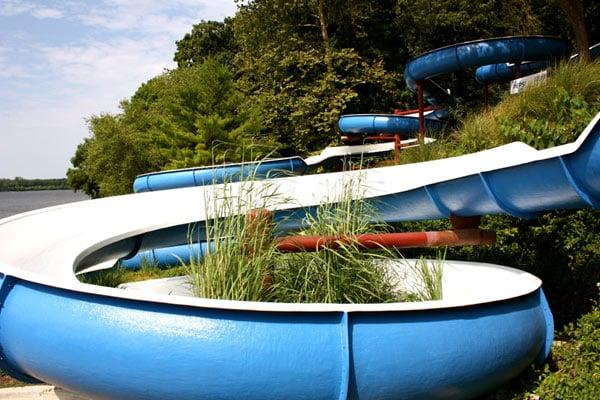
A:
(244, 263)
(345, 273)
(238, 264)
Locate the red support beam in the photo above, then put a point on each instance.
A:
(517, 70)
(416, 110)
(457, 237)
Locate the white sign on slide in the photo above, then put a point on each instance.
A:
(518, 85)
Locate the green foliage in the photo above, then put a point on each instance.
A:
(187, 117)
(19, 184)
(115, 154)
(78, 177)
(113, 277)
(577, 362)
(293, 64)
(301, 110)
(573, 371)
(555, 113)
(344, 273)
(208, 39)
(428, 25)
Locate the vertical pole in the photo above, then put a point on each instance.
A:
(397, 144)
(517, 70)
(421, 116)
(258, 236)
(485, 97)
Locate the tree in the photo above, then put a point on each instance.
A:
(575, 12)
(182, 118)
(290, 63)
(78, 177)
(208, 39)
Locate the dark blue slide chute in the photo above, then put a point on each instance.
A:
(405, 125)
(503, 72)
(201, 176)
(514, 49)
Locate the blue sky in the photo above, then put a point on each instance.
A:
(63, 61)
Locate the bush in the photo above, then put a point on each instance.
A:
(573, 371)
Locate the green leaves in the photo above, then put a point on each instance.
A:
(187, 117)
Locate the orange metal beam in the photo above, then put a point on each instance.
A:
(457, 237)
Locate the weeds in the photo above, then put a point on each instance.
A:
(113, 277)
(236, 265)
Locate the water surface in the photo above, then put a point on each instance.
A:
(18, 202)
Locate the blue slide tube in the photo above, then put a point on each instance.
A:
(168, 256)
(218, 174)
(503, 72)
(477, 53)
(371, 124)
(498, 73)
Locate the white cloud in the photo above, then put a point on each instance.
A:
(10, 8)
(155, 16)
(13, 7)
(116, 66)
(56, 86)
(45, 12)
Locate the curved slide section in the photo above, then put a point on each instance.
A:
(503, 72)
(405, 125)
(514, 179)
(477, 53)
(264, 169)
(201, 176)
(164, 257)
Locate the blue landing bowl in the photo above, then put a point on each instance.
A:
(120, 344)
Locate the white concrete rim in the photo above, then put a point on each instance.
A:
(530, 284)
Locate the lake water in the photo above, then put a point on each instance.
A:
(17, 202)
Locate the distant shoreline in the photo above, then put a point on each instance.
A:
(34, 189)
(24, 185)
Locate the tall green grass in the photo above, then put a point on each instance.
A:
(429, 277)
(246, 265)
(113, 277)
(241, 260)
(346, 273)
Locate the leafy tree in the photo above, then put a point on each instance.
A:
(208, 39)
(574, 10)
(292, 66)
(78, 177)
(182, 118)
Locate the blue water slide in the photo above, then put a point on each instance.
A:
(503, 72)
(165, 257)
(405, 125)
(477, 53)
(562, 181)
(218, 174)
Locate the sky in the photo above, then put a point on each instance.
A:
(64, 61)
